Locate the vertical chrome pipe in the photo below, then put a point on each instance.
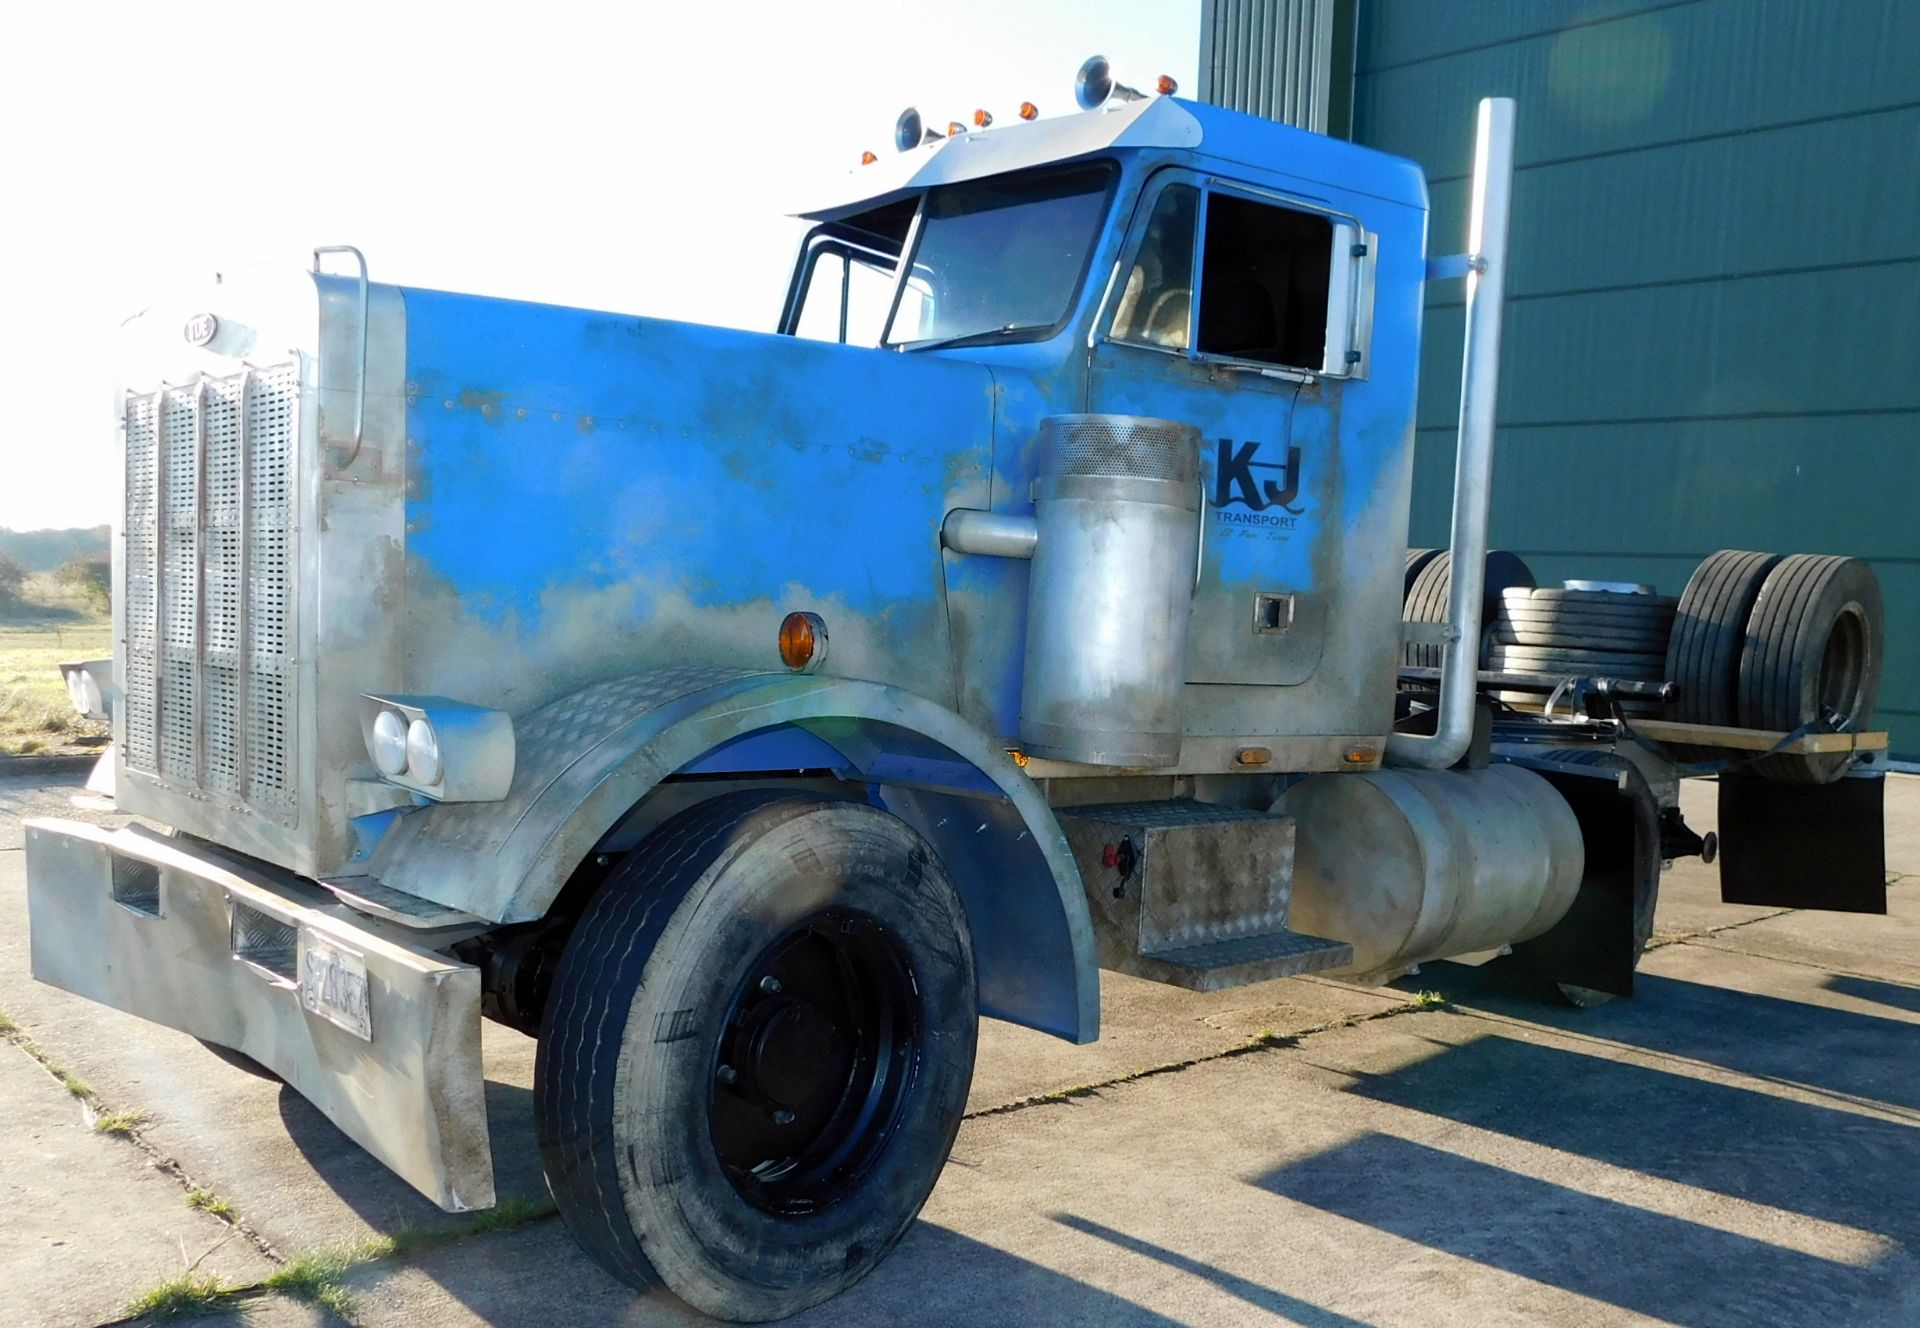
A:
(1473, 461)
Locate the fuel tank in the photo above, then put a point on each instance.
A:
(1412, 865)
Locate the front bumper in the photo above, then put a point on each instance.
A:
(165, 929)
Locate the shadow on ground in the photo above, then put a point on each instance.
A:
(387, 1203)
(1828, 1160)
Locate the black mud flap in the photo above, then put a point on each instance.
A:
(1818, 846)
(1598, 943)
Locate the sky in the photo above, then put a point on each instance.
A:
(638, 158)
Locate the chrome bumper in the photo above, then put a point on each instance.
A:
(161, 928)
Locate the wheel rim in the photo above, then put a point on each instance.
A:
(821, 1045)
(1842, 663)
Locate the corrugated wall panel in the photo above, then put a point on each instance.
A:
(1271, 58)
(1696, 70)
(1714, 313)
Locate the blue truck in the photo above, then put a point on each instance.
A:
(744, 715)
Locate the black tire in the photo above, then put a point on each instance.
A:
(647, 1127)
(1417, 560)
(1709, 632)
(1575, 637)
(1593, 663)
(1554, 599)
(1426, 601)
(1815, 647)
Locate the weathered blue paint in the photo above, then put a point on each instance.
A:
(593, 493)
(593, 496)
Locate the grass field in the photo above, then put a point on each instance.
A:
(46, 626)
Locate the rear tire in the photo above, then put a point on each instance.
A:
(1709, 629)
(1815, 647)
(1426, 599)
(757, 1052)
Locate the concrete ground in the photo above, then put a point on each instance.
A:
(1738, 1145)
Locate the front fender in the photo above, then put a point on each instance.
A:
(585, 761)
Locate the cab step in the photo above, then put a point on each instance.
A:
(1244, 959)
(1194, 894)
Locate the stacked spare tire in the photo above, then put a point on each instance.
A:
(1618, 633)
(1790, 643)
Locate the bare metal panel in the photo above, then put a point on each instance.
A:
(209, 945)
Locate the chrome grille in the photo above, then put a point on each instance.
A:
(208, 631)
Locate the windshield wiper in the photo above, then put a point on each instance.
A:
(987, 337)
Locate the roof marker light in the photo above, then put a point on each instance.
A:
(1166, 87)
(955, 129)
(982, 118)
(867, 159)
(1028, 110)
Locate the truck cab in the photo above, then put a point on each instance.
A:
(743, 715)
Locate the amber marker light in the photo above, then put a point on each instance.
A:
(1361, 753)
(982, 118)
(867, 159)
(1020, 758)
(803, 641)
(1253, 756)
(955, 129)
(1166, 87)
(1028, 110)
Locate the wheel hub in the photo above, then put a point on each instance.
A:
(789, 1046)
(821, 1043)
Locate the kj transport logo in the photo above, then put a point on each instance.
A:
(1246, 477)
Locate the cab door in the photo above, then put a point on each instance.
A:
(1237, 311)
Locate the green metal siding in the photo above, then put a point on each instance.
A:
(1713, 324)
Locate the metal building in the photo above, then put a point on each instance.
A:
(1713, 322)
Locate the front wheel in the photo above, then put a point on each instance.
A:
(757, 1052)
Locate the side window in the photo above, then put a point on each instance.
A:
(846, 298)
(1263, 283)
(1156, 304)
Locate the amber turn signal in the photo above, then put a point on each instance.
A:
(803, 640)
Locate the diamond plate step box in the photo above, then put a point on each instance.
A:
(1192, 893)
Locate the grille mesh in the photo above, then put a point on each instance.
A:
(208, 587)
(1127, 445)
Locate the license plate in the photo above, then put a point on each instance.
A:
(333, 985)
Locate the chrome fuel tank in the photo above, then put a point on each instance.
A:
(1412, 865)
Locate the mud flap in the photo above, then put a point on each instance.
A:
(1598, 943)
(1818, 846)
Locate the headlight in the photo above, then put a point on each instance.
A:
(389, 745)
(440, 748)
(87, 686)
(84, 692)
(423, 752)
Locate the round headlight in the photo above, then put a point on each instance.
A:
(389, 745)
(423, 752)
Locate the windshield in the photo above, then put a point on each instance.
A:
(1000, 257)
